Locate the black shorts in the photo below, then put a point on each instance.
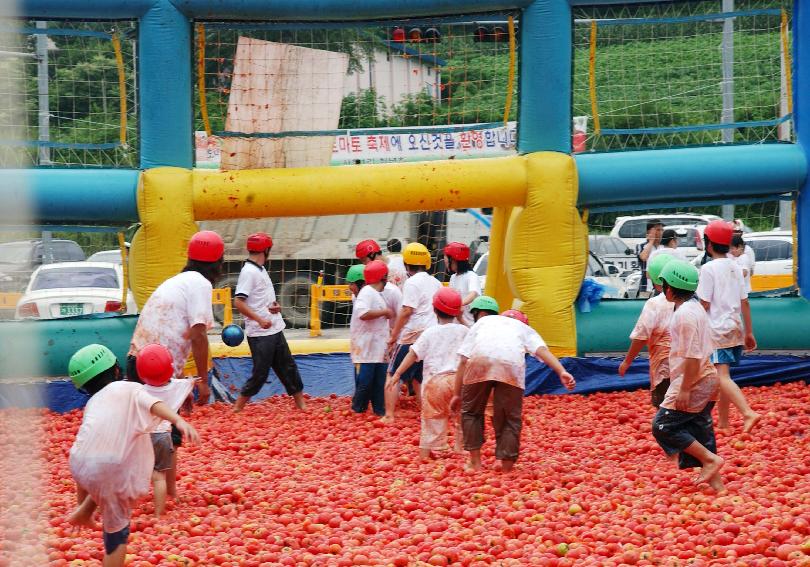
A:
(272, 351)
(676, 430)
(164, 449)
(113, 540)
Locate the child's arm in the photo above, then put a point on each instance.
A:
(407, 362)
(691, 371)
(469, 298)
(163, 411)
(705, 305)
(635, 347)
(376, 314)
(455, 402)
(404, 315)
(551, 361)
(243, 308)
(199, 349)
(750, 341)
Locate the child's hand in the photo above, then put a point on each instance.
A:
(750, 342)
(623, 368)
(187, 431)
(391, 382)
(455, 404)
(390, 314)
(682, 401)
(274, 308)
(568, 381)
(265, 323)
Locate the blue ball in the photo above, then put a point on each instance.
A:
(233, 335)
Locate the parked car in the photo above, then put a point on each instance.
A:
(773, 251)
(605, 274)
(633, 230)
(19, 259)
(113, 256)
(68, 289)
(690, 240)
(613, 250)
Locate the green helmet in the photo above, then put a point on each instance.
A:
(88, 362)
(680, 275)
(656, 265)
(485, 303)
(355, 273)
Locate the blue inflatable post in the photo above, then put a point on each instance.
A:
(545, 78)
(801, 120)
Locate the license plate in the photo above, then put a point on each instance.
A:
(70, 309)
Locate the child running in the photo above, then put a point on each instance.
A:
(112, 458)
(154, 369)
(652, 331)
(723, 295)
(369, 335)
(415, 315)
(683, 424)
(493, 359)
(463, 280)
(436, 348)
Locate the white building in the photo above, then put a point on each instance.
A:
(396, 72)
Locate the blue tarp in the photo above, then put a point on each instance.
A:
(325, 374)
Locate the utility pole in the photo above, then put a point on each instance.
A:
(727, 116)
(42, 90)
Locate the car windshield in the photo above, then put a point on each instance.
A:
(70, 277)
(113, 256)
(686, 237)
(481, 267)
(766, 250)
(15, 253)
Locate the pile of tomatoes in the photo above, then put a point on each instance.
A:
(275, 486)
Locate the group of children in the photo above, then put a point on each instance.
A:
(696, 327)
(448, 345)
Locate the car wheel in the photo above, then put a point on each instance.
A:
(294, 298)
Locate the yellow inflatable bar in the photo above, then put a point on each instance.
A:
(537, 243)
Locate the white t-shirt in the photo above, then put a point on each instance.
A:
(368, 338)
(173, 394)
(396, 270)
(174, 307)
(747, 267)
(722, 285)
(418, 294)
(393, 299)
(465, 284)
(255, 287)
(653, 326)
(112, 457)
(676, 252)
(496, 349)
(752, 257)
(690, 333)
(438, 348)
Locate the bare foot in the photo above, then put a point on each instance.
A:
(723, 426)
(387, 419)
(716, 482)
(81, 519)
(239, 404)
(300, 403)
(472, 467)
(750, 421)
(507, 465)
(710, 470)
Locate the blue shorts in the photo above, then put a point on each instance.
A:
(113, 540)
(413, 373)
(730, 356)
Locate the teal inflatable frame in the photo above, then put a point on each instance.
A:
(61, 196)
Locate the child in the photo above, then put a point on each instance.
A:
(396, 265)
(255, 298)
(112, 458)
(743, 260)
(493, 359)
(154, 369)
(368, 251)
(722, 293)
(463, 280)
(414, 317)
(369, 335)
(683, 424)
(652, 330)
(436, 348)
(669, 245)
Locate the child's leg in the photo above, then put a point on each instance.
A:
(287, 371)
(159, 488)
(81, 494)
(473, 402)
(83, 514)
(115, 548)
(363, 385)
(259, 347)
(171, 476)
(507, 421)
(730, 393)
(711, 463)
(378, 389)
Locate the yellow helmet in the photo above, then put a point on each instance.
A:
(416, 254)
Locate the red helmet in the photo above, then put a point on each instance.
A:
(365, 248)
(374, 271)
(457, 251)
(154, 365)
(719, 232)
(448, 301)
(259, 242)
(515, 314)
(206, 246)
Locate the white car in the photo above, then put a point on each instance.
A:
(605, 274)
(68, 289)
(690, 240)
(773, 250)
(613, 250)
(633, 230)
(113, 256)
